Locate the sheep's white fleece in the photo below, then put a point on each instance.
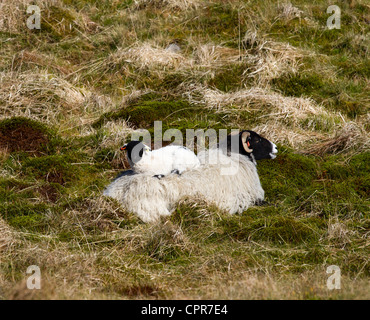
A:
(151, 198)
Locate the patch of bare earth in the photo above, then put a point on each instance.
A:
(23, 138)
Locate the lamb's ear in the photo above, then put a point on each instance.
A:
(244, 137)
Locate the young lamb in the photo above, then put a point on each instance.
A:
(160, 162)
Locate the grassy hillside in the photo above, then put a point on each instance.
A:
(74, 91)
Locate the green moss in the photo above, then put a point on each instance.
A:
(229, 77)
(219, 22)
(360, 163)
(12, 189)
(284, 230)
(55, 168)
(23, 215)
(170, 81)
(15, 122)
(283, 182)
(104, 155)
(302, 84)
(301, 33)
(352, 68)
(145, 113)
(324, 91)
(276, 229)
(351, 179)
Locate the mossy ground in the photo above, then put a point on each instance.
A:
(54, 168)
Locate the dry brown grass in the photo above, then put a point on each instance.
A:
(288, 12)
(269, 59)
(350, 137)
(296, 138)
(214, 56)
(257, 97)
(7, 237)
(49, 98)
(93, 214)
(35, 58)
(13, 16)
(181, 5)
(289, 120)
(154, 57)
(307, 285)
(41, 96)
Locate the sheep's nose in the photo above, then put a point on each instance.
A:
(274, 148)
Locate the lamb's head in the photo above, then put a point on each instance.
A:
(135, 150)
(250, 144)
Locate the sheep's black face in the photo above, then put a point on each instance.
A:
(250, 144)
(134, 150)
(261, 147)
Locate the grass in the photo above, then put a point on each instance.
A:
(73, 92)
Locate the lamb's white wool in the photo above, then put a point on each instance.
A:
(165, 160)
(151, 198)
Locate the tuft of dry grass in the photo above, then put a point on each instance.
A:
(269, 59)
(181, 5)
(284, 119)
(350, 136)
(94, 214)
(257, 97)
(33, 95)
(213, 56)
(146, 55)
(296, 138)
(48, 97)
(166, 241)
(288, 12)
(338, 232)
(7, 237)
(12, 15)
(30, 58)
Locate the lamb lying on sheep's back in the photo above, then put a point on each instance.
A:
(227, 177)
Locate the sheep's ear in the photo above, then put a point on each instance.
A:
(244, 137)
